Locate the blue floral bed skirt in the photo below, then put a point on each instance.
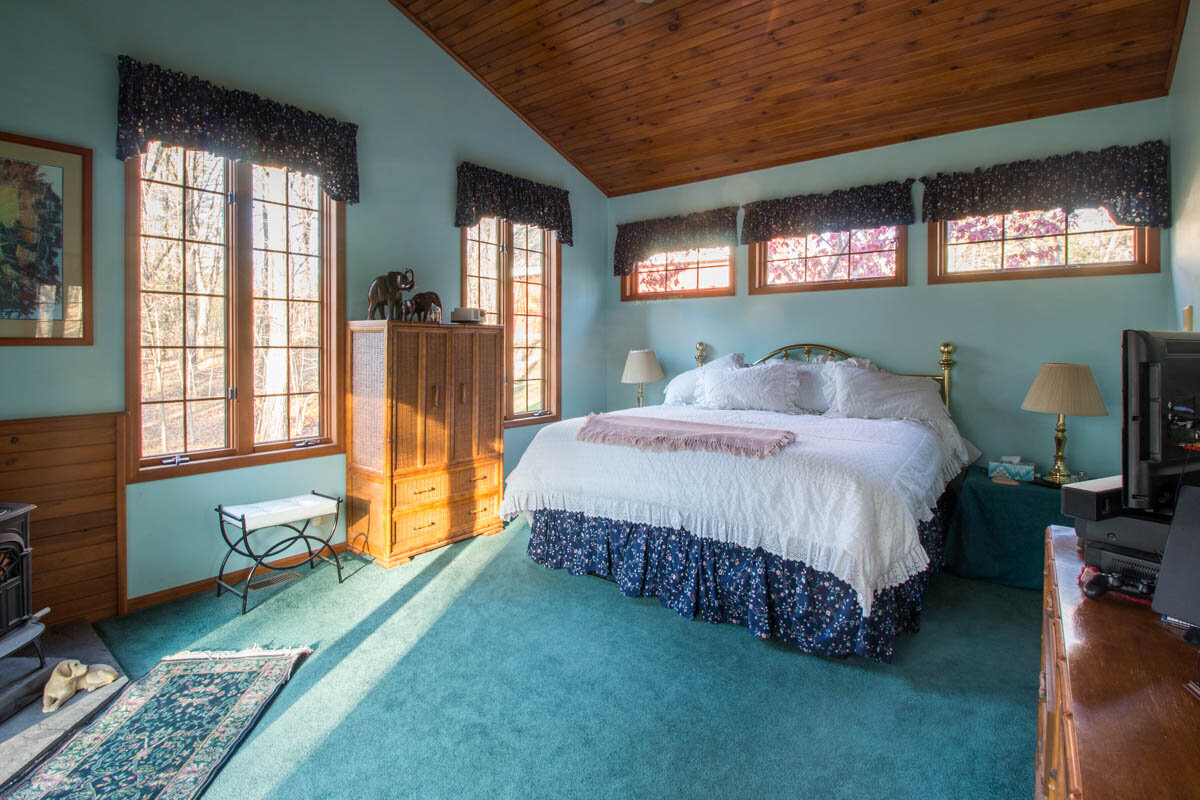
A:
(724, 582)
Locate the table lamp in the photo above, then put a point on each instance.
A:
(1064, 389)
(641, 367)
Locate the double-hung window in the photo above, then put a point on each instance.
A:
(234, 309)
(850, 259)
(512, 272)
(1039, 244)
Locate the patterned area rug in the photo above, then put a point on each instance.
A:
(169, 733)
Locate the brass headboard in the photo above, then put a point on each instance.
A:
(946, 362)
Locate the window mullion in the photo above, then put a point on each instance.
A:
(241, 291)
(504, 228)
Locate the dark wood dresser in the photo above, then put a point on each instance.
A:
(1114, 719)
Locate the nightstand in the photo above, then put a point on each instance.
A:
(997, 532)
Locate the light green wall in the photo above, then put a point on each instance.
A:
(419, 114)
(1003, 330)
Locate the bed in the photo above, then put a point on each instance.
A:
(827, 545)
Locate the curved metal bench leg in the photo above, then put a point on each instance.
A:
(336, 560)
(249, 576)
(221, 572)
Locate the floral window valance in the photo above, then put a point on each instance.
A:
(157, 104)
(484, 192)
(1133, 183)
(846, 209)
(637, 241)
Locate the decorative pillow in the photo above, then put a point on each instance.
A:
(766, 387)
(681, 391)
(874, 394)
(810, 392)
(861, 363)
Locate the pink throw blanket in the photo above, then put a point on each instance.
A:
(664, 435)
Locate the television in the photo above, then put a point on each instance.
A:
(1160, 426)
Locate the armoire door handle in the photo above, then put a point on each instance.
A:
(437, 396)
(462, 393)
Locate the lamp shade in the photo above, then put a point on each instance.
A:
(1066, 389)
(641, 367)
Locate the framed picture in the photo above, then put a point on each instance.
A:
(45, 242)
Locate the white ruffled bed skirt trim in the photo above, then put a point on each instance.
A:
(790, 546)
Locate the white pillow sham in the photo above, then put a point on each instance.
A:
(810, 394)
(681, 390)
(872, 394)
(766, 387)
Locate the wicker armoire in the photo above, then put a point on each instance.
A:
(425, 454)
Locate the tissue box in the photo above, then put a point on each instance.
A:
(1018, 471)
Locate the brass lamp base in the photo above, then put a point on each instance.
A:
(1059, 473)
(641, 397)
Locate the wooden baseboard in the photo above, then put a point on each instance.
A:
(210, 585)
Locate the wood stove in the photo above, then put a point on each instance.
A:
(19, 626)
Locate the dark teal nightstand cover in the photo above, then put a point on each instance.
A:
(998, 533)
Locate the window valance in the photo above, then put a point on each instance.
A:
(637, 241)
(1133, 183)
(484, 192)
(157, 104)
(846, 209)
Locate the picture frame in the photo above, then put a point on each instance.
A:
(45, 242)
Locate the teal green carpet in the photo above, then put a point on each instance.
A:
(473, 672)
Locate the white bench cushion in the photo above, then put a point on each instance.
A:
(279, 512)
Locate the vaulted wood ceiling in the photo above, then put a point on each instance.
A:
(641, 95)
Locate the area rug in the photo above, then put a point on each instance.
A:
(169, 733)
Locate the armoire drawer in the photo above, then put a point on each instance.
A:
(422, 489)
(426, 525)
(480, 479)
(473, 512)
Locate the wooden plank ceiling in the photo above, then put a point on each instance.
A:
(643, 95)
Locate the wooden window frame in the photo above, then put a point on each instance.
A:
(757, 270)
(239, 335)
(1147, 250)
(629, 293)
(551, 366)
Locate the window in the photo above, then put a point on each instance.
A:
(1039, 244)
(512, 272)
(851, 259)
(234, 310)
(700, 272)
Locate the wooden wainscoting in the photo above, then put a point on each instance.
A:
(73, 470)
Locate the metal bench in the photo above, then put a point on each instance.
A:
(250, 518)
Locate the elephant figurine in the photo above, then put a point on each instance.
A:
(426, 307)
(387, 293)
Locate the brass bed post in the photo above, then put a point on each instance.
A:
(700, 347)
(947, 364)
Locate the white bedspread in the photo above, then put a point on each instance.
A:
(845, 498)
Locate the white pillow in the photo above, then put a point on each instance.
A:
(766, 387)
(834, 361)
(681, 391)
(810, 394)
(871, 394)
